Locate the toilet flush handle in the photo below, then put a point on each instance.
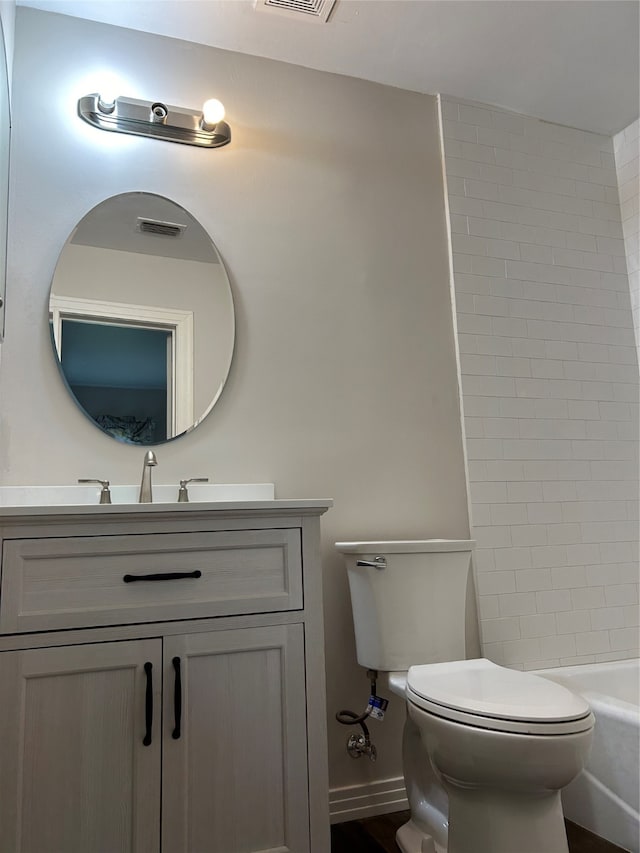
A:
(376, 563)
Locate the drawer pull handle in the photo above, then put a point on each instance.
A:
(167, 576)
(148, 704)
(177, 698)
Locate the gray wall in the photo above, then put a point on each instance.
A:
(333, 231)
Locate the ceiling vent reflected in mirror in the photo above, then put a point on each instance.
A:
(312, 11)
(164, 229)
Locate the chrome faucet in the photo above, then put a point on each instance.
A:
(146, 496)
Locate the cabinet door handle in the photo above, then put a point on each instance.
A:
(148, 703)
(167, 576)
(177, 698)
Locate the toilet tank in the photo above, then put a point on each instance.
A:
(412, 610)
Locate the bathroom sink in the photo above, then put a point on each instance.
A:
(165, 494)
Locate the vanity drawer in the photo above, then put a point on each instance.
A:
(80, 581)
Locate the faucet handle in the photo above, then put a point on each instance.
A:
(105, 494)
(183, 494)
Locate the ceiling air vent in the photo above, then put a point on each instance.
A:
(164, 229)
(313, 11)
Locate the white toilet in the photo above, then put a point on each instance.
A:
(486, 749)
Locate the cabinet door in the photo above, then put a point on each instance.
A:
(235, 780)
(75, 775)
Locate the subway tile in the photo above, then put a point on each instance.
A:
(544, 513)
(553, 601)
(573, 622)
(547, 246)
(472, 324)
(480, 189)
(553, 409)
(481, 227)
(578, 660)
(584, 555)
(512, 559)
(503, 249)
(540, 664)
(488, 607)
(485, 448)
(537, 625)
(488, 386)
(568, 577)
(565, 350)
(516, 651)
(610, 531)
(468, 245)
(526, 348)
(524, 492)
(480, 515)
(496, 583)
(558, 428)
(506, 513)
(624, 638)
(587, 598)
(517, 603)
(479, 365)
(489, 345)
(535, 253)
(506, 121)
(456, 130)
(560, 491)
(619, 595)
(529, 535)
(564, 645)
(605, 618)
(504, 471)
(494, 630)
(475, 115)
(532, 580)
(482, 407)
(592, 642)
(493, 537)
(501, 427)
(548, 556)
(516, 407)
(517, 367)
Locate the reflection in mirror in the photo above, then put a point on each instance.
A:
(5, 133)
(142, 318)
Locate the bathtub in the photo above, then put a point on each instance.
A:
(605, 797)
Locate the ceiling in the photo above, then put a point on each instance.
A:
(575, 62)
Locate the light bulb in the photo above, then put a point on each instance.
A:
(212, 113)
(107, 102)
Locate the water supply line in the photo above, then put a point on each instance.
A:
(359, 745)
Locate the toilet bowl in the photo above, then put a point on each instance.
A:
(486, 750)
(503, 747)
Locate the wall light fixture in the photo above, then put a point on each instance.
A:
(205, 128)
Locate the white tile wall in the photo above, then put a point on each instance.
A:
(549, 381)
(627, 150)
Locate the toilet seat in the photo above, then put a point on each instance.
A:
(481, 694)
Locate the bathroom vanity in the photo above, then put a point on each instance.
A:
(162, 679)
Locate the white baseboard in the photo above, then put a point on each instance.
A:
(357, 801)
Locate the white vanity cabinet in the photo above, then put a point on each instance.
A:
(162, 680)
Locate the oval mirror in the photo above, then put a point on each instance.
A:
(142, 319)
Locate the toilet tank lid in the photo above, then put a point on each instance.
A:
(406, 546)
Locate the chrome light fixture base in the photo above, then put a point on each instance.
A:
(154, 119)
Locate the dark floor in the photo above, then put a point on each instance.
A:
(377, 835)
